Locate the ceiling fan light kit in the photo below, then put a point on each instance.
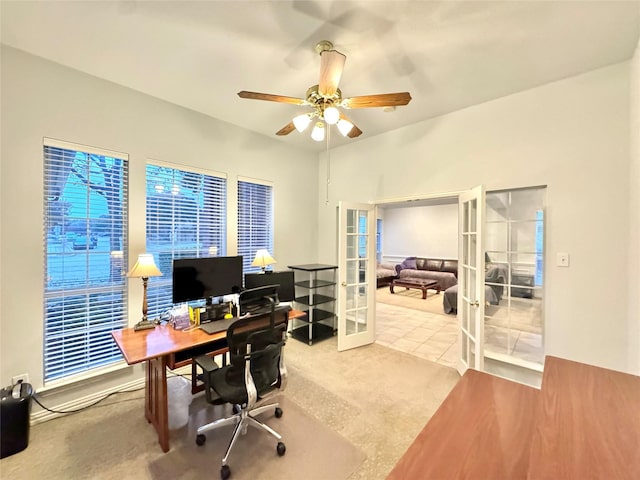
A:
(301, 122)
(331, 115)
(344, 127)
(326, 97)
(318, 132)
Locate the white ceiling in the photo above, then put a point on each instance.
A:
(449, 55)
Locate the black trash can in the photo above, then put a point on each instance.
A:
(15, 408)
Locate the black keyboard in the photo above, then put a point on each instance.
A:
(217, 325)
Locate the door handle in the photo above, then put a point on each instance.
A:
(344, 284)
(475, 304)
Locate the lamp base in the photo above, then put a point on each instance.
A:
(143, 325)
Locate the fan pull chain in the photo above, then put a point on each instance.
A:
(328, 163)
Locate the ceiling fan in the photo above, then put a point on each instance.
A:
(325, 98)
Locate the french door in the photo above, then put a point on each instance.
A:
(471, 206)
(356, 274)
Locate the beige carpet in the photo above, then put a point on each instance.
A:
(376, 397)
(110, 442)
(340, 407)
(411, 298)
(254, 455)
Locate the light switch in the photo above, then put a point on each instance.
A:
(563, 260)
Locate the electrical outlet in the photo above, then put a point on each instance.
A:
(22, 378)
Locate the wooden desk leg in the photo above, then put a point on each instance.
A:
(155, 399)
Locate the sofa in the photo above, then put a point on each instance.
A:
(385, 273)
(444, 271)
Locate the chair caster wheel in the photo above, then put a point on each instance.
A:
(278, 412)
(201, 439)
(225, 472)
(281, 448)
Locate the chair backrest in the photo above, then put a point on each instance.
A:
(258, 341)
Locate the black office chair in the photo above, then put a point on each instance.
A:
(255, 373)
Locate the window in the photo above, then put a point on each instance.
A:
(255, 220)
(362, 238)
(85, 195)
(379, 240)
(186, 218)
(539, 246)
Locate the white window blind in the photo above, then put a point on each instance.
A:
(255, 221)
(85, 218)
(186, 218)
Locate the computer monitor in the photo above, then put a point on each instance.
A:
(284, 280)
(257, 300)
(204, 278)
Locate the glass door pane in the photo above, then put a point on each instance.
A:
(514, 317)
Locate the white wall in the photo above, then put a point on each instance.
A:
(634, 218)
(39, 99)
(571, 135)
(425, 231)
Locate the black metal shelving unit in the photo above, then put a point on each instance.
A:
(317, 299)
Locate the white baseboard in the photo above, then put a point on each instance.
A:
(45, 415)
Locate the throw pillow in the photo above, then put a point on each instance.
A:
(409, 262)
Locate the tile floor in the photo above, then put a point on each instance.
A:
(434, 336)
(428, 335)
(522, 345)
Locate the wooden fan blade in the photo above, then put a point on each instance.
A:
(382, 100)
(355, 131)
(286, 130)
(271, 98)
(331, 65)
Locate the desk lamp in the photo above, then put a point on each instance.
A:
(144, 268)
(262, 259)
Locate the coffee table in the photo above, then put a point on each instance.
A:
(411, 283)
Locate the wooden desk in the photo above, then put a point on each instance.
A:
(482, 430)
(588, 423)
(162, 348)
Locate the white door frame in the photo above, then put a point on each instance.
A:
(457, 195)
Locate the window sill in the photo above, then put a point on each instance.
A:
(75, 381)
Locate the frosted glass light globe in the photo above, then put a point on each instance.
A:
(331, 115)
(318, 132)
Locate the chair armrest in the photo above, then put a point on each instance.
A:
(206, 363)
(208, 366)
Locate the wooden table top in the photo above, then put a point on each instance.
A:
(414, 282)
(482, 430)
(584, 423)
(589, 423)
(140, 346)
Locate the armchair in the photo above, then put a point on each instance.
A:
(255, 374)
